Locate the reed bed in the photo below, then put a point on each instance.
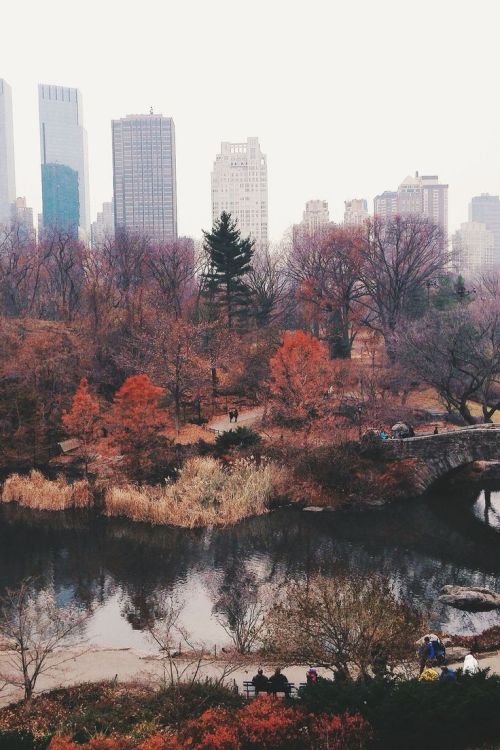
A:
(205, 494)
(37, 492)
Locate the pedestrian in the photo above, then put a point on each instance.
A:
(424, 653)
(260, 682)
(447, 674)
(311, 676)
(436, 430)
(278, 683)
(471, 664)
(235, 415)
(231, 415)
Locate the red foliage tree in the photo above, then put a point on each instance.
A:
(301, 374)
(82, 419)
(135, 420)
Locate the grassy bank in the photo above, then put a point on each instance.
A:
(205, 493)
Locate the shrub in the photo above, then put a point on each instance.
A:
(37, 492)
(241, 437)
(205, 493)
(20, 739)
(452, 715)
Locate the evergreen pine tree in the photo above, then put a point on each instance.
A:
(229, 259)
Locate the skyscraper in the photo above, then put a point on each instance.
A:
(22, 218)
(485, 208)
(419, 195)
(315, 216)
(473, 248)
(7, 173)
(63, 147)
(355, 212)
(239, 187)
(103, 227)
(144, 175)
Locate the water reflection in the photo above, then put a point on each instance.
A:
(122, 567)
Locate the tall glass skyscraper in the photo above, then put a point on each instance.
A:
(63, 148)
(7, 174)
(144, 177)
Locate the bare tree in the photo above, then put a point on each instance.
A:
(173, 267)
(326, 267)
(351, 622)
(458, 353)
(39, 631)
(240, 609)
(399, 257)
(269, 283)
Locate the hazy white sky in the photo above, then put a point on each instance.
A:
(347, 98)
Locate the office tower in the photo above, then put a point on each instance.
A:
(315, 216)
(473, 249)
(103, 227)
(63, 146)
(239, 187)
(485, 208)
(419, 195)
(355, 212)
(144, 176)
(22, 217)
(7, 173)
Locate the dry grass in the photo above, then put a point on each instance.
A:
(204, 494)
(37, 492)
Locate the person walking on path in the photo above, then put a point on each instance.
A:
(260, 682)
(471, 664)
(235, 415)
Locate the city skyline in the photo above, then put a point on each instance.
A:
(331, 156)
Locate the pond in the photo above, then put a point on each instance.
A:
(451, 536)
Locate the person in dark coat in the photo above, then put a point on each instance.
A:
(424, 653)
(311, 676)
(260, 682)
(231, 415)
(235, 415)
(447, 674)
(279, 683)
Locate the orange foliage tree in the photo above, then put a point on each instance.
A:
(82, 419)
(301, 374)
(135, 421)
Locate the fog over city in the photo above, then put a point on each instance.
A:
(345, 98)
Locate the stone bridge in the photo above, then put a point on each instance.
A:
(431, 457)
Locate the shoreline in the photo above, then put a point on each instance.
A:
(129, 665)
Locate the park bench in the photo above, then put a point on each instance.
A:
(249, 689)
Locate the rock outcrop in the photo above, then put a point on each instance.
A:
(470, 598)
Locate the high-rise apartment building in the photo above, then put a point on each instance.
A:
(7, 172)
(144, 175)
(315, 215)
(485, 208)
(239, 187)
(355, 212)
(22, 217)
(421, 195)
(103, 228)
(473, 249)
(63, 147)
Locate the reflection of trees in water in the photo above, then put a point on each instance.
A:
(421, 545)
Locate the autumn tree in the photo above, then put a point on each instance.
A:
(457, 352)
(353, 622)
(82, 419)
(326, 268)
(398, 256)
(135, 421)
(301, 375)
(229, 259)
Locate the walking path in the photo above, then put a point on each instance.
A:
(127, 665)
(247, 418)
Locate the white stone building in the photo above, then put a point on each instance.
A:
(239, 187)
(355, 212)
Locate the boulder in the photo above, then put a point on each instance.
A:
(470, 598)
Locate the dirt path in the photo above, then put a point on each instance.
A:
(247, 418)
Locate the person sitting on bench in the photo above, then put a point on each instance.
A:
(278, 683)
(260, 682)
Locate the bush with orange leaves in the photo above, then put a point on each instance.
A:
(267, 723)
